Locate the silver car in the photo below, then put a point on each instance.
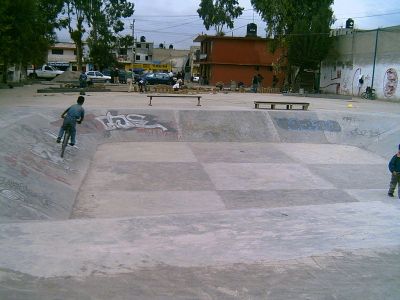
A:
(96, 76)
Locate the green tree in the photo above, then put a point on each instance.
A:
(26, 31)
(219, 13)
(103, 18)
(300, 27)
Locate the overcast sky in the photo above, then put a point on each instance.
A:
(176, 22)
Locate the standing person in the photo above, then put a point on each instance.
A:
(360, 83)
(260, 79)
(72, 115)
(82, 80)
(116, 76)
(254, 83)
(129, 81)
(394, 168)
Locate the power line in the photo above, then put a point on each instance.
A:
(375, 15)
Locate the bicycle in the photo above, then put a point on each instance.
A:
(67, 135)
(369, 94)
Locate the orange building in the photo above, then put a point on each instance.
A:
(238, 59)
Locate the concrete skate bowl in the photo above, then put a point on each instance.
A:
(36, 184)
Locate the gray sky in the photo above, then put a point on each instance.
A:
(176, 22)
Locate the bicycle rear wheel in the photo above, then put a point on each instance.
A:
(67, 134)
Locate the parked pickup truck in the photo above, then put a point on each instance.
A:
(44, 71)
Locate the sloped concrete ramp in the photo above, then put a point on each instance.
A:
(192, 204)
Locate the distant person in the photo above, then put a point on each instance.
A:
(116, 76)
(275, 81)
(260, 78)
(394, 168)
(129, 81)
(72, 115)
(83, 80)
(142, 85)
(254, 83)
(177, 85)
(360, 83)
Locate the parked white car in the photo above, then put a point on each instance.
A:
(196, 78)
(45, 71)
(96, 76)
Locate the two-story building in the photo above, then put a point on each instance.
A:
(239, 59)
(63, 56)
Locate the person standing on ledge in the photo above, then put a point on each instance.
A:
(394, 168)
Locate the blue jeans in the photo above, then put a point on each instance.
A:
(394, 180)
(73, 132)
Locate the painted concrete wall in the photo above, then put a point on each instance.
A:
(354, 57)
(36, 184)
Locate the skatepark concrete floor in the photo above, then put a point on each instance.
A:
(176, 201)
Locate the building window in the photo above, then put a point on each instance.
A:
(146, 57)
(57, 51)
(137, 57)
(123, 51)
(75, 52)
(138, 45)
(269, 68)
(147, 46)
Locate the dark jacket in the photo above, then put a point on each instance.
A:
(394, 164)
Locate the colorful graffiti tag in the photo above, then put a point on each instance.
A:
(390, 83)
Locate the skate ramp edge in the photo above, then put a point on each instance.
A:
(36, 184)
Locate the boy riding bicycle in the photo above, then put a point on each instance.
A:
(72, 115)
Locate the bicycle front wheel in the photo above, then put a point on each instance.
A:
(364, 95)
(65, 141)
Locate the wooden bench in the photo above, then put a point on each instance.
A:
(288, 105)
(176, 96)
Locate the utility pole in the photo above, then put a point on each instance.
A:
(134, 41)
(376, 48)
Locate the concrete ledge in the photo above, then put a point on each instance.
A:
(329, 96)
(71, 90)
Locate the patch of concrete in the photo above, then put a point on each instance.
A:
(339, 275)
(114, 246)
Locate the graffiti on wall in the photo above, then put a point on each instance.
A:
(390, 81)
(22, 196)
(129, 121)
(346, 86)
(308, 125)
(353, 122)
